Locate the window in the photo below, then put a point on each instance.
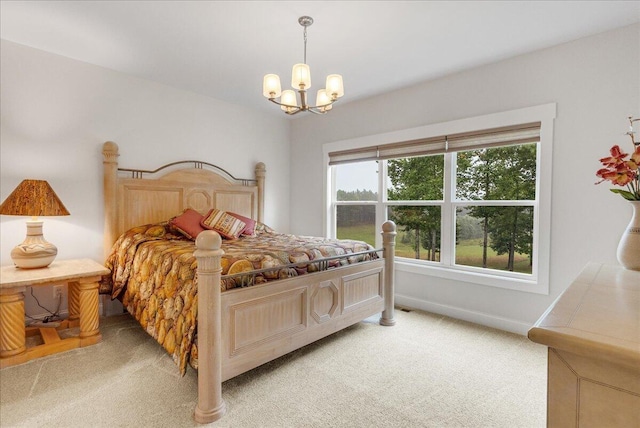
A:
(356, 197)
(471, 205)
(414, 191)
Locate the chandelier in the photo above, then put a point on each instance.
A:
(301, 81)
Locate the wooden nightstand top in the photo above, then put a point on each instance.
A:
(59, 270)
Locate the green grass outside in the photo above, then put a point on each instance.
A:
(361, 232)
(468, 252)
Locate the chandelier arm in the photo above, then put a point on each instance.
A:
(298, 108)
(327, 104)
(273, 100)
(319, 109)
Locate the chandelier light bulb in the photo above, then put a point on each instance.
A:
(334, 86)
(322, 100)
(301, 76)
(288, 100)
(271, 86)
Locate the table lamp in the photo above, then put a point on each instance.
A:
(33, 198)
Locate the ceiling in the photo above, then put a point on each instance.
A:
(222, 49)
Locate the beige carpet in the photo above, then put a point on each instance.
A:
(427, 371)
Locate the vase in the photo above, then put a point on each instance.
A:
(629, 246)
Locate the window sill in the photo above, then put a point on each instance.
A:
(479, 278)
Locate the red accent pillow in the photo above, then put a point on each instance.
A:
(188, 223)
(250, 224)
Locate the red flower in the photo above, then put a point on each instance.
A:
(617, 156)
(620, 175)
(622, 172)
(634, 162)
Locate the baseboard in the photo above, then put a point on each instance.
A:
(108, 308)
(513, 326)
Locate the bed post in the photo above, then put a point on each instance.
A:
(110, 171)
(261, 172)
(389, 246)
(211, 406)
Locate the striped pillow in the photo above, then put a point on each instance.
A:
(226, 225)
(250, 224)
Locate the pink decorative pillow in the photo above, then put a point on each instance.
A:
(226, 225)
(188, 223)
(250, 224)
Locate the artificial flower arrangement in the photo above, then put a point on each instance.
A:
(621, 171)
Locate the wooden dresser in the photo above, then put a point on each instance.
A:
(593, 334)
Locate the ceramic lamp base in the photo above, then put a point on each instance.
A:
(35, 252)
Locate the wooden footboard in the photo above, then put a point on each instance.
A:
(243, 328)
(261, 323)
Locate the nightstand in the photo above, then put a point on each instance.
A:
(81, 276)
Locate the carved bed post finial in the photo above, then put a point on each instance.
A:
(261, 172)
(110, 171)
(389, 245)
(211, 406)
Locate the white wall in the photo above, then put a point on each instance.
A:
(595, 83)
(57, 112)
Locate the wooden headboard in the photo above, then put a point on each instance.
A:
(134, 197)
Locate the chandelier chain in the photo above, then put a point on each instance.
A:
(305, 44)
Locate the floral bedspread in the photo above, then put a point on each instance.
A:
(154, 274)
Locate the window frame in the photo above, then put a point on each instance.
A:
(538, 281)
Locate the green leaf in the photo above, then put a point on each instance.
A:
(625, 194)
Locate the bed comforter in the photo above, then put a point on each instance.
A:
(154, 275)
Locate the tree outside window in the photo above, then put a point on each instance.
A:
(496, 174)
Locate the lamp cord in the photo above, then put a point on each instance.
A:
(54, 315)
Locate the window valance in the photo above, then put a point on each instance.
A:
(503, 136)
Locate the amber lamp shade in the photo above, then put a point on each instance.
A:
(33, 198)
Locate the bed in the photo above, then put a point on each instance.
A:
(256, 319)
